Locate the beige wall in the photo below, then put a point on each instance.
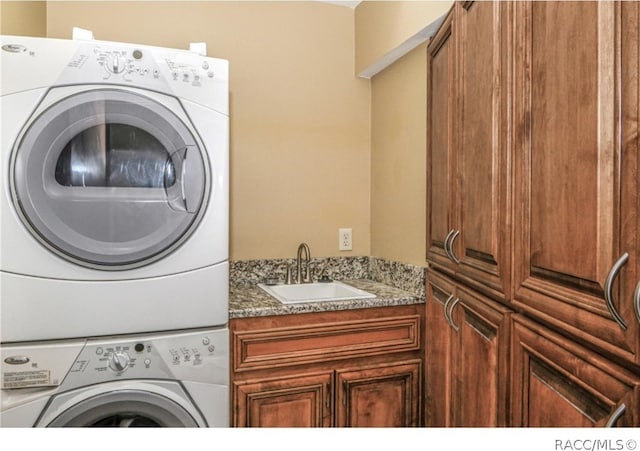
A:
(381, 26)
(26, 18)
(398, 124)
(398, 143)
(300, 138)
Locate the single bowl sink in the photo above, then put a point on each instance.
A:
(315, 292)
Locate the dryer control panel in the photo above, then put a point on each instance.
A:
(179, 73)
(184, 74)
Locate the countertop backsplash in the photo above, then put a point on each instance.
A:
(406, 277)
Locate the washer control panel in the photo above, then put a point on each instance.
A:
(200, 356)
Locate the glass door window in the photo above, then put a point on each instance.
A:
(110, 179)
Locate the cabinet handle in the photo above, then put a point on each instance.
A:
(446, 244)
(451, 253)
(450, 316)
(446, 314)
(615, 416)
(636, 302)
(608, 290)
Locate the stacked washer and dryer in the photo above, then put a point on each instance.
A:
(113, 235)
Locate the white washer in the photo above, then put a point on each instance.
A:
(177, 380)
(114, 191)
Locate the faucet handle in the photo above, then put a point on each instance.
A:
(307, 273)
(287, 279)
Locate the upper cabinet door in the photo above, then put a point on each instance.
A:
(482, 244)
(467, 160)
(440, 143)
(574, 64)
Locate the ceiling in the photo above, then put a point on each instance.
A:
(348, 4)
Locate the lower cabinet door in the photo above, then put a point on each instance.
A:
(480, 355)
(438, 352)
(380, 396)
(558, 383)
(301, 400)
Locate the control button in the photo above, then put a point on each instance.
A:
(210, 74)
(119, 361)
(205, 65)
(185, 76)
(174, 75)
(147, 363)
(206, 341)
(156, 73)
(137, 54)
(211, 348)
(139, 347)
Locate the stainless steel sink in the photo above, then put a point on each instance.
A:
(315, 292)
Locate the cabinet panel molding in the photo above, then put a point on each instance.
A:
(286, 346)
(384, 395)
(557, 382)
(301, 400)
(575, 202)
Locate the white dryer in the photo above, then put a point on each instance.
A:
(114, 193)
(176, 380)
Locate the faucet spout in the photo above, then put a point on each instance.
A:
(303, 247)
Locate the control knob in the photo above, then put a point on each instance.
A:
(116, 64)
(119, 361)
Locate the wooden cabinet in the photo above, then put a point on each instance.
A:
(467, 164)
(346, 368)
(440, 145)
(466, 357)
(298, 400)
(576, 170)
(533, 203)
(382, 395)
(557, 383)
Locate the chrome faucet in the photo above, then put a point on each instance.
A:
(307, 258)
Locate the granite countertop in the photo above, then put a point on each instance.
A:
(250, 301)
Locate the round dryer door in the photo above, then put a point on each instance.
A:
(109, 179)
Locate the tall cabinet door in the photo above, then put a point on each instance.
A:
(467, 164)
(574, 269)
(440, 144)
(481, 239)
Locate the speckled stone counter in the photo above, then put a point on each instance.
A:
(251, 301)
